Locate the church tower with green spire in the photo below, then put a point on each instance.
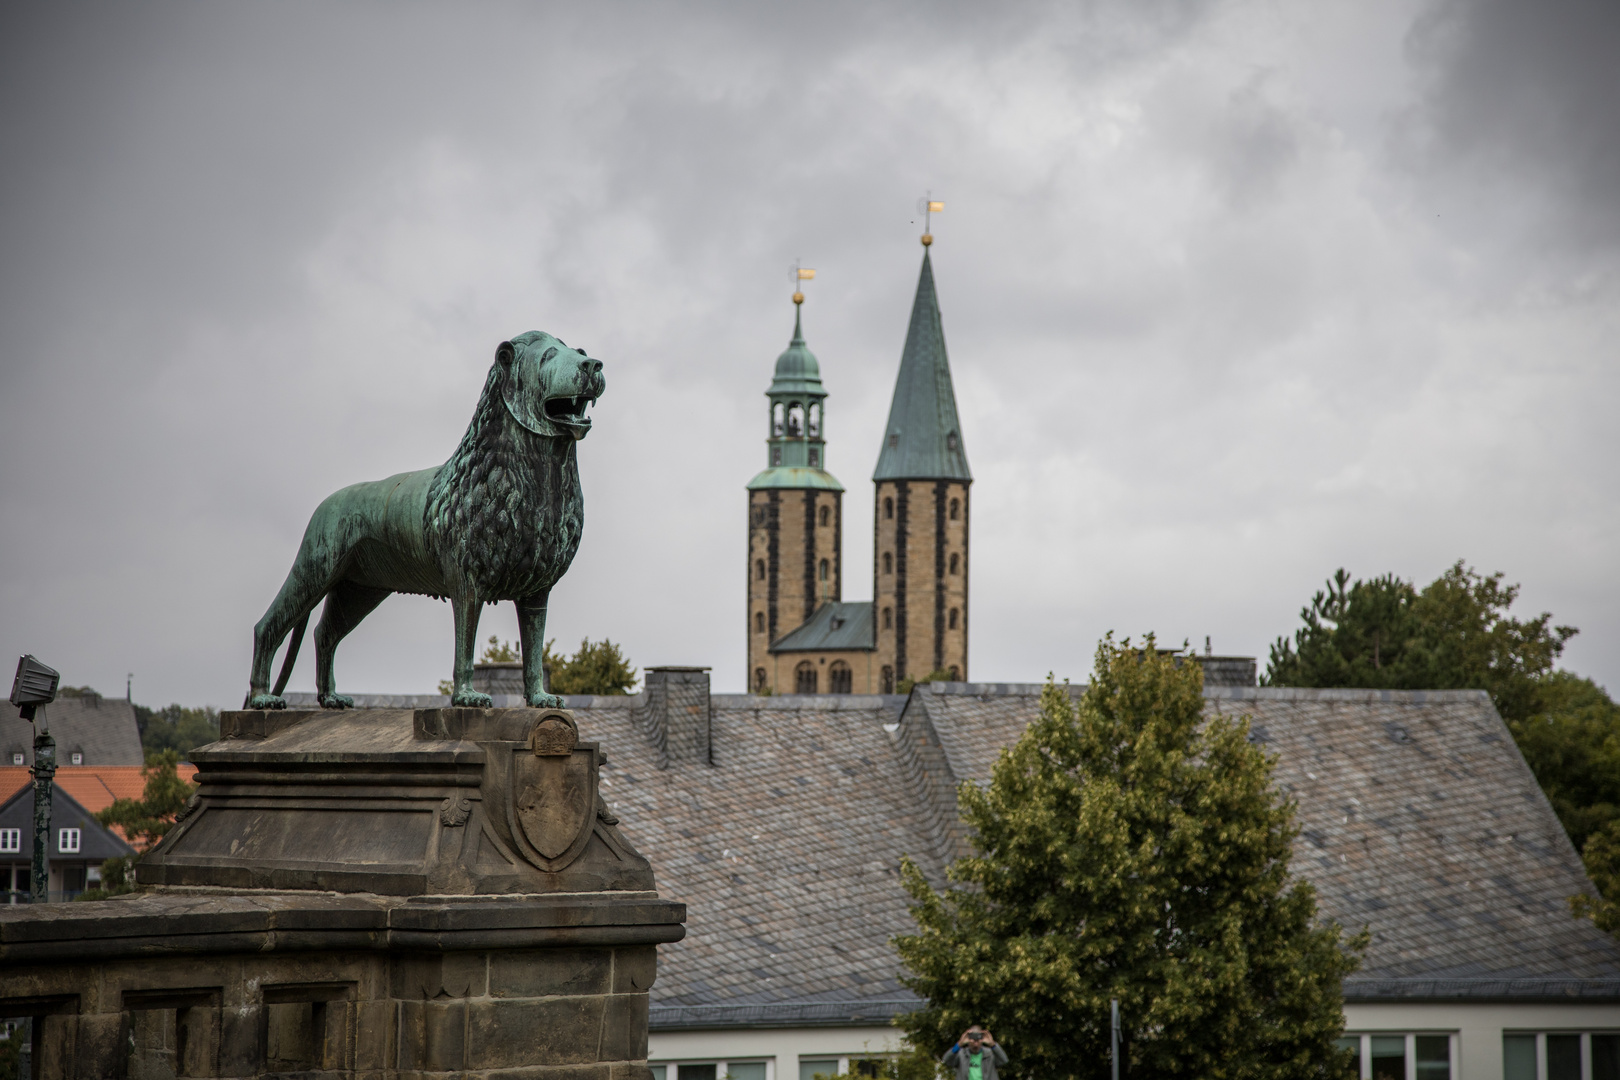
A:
(795, 512)
(920, 571)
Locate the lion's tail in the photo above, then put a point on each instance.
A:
(294, 639)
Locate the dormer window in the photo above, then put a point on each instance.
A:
(76, 758)
(19, 758)
(950, 441)
(894, 440)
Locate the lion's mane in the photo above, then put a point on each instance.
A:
(504, 515)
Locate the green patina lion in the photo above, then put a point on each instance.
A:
(500, 520)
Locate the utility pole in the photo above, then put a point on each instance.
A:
(1114, 1036)
(44, 769)
(34, 688)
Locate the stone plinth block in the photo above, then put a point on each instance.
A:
(378, 894)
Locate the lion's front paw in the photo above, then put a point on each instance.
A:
(471, 699)
(547, 701)
(336, 701)
(265, 701)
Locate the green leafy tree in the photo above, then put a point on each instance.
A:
(145, 820)
(176, 728)
(598, 668)
(1573, 747)
(1454, 634)
(1129, 848)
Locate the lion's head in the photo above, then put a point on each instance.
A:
(548, 386)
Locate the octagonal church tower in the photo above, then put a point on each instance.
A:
(920, 518)
(795, 517)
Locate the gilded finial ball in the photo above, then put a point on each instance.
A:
(927, 239)
(798, 298)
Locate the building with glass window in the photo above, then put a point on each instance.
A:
(781, 822)
(803, 638)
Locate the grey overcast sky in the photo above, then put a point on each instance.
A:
(1236, 293)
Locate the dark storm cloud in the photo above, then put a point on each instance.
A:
(1521, 102)
(1205, 349)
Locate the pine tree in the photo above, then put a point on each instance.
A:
(1131, 849)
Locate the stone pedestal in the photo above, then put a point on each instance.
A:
(363, 894)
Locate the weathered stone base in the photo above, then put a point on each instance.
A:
(336, 986)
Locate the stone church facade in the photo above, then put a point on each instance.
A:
(803, 638)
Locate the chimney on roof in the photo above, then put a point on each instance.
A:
(675, 714)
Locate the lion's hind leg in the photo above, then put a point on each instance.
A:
(346, 605)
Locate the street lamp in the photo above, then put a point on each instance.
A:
(33, 689)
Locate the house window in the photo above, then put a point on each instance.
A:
(759, 680)
(953, 618)
(888, 563)
(823, 569)
(956, 563)
(708, 1070)
(67, 841)
(888, 618)
(810, 1068)
(1387, 1056)
(759, 569)
(1556, 1055)
(840, 680)
(76, 758)
(956, 508)
(823, 515)
(887, 678)
(759, 622)
(10, 840)
(804, 678)
(888, 509)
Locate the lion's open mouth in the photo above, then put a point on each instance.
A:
(569, 410)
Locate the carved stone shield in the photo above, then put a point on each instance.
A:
(554, 791)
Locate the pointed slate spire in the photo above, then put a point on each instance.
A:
(923, 440)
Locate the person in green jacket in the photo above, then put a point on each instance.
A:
(976, 1055)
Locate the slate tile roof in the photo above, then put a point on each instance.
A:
(96, 843)
(1419, 820)
(103, 729)
(835, 625)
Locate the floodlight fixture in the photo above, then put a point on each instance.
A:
(35, 685)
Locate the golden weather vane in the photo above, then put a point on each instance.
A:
(796, 274)
(928, 206)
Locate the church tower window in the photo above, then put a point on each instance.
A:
(804, 678)
(953, 618)
(824, 514)
(759, 569)
(955, 563)
(956, 508)
(888, 509)
(759, 622)
(840, 680)
(888, 563)
(888, 679)
(823, 569)
(888, 618)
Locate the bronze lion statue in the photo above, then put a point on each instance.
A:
(500, 520)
